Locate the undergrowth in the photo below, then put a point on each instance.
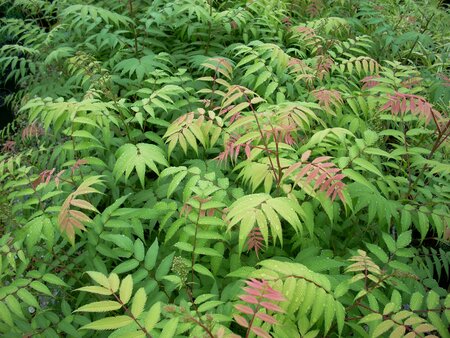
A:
(201, 168)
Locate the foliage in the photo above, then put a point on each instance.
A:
(197, 168)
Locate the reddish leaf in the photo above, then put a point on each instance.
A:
(241, 320)
(244, 309)
(76, 223)
(255, 241)
(303, 172)
(274, 295)
(79, 215)
(271, 307)
(82, 204)
(254, 283)
(305, 156)
(267, 318)
(249, 299)
(260, 332)
(320, 159)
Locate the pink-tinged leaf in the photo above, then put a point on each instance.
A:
(333, 197)
(256, 242)
(249, 299)
(271, 307)
(330, 191)
(82, 204)
(248, 150)
(341, 195)
(403, 106)
(412, 105)
(396, 108)
(244, 309)
(312, 175)
(253, 292)
(305, 156)
(320, 180)
(79, 215)
(303, 172)
(260, 332)
(320, 159)
(58, 178)
(75, 223)
(275, 296)
(327, 165)
(267, 318)
(326, 184)
(254, 283)
(339, 177)
(292, 168)
(241, 320)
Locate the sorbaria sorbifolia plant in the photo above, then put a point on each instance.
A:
(204, 168)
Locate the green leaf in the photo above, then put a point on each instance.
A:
(126, 289)
(102, 306)
(404, 239)
(99, 278)
(153, 316)
(126, 266)
(14, 306)
(114, 282)
(202, 270)
(382, 328)
(38, 286)
(139, 250)
(416, 301)
(390, 243)
(96, 289)
(169, 328)
(367, 165)
(209, 305)
(371, 317)
(175, 182)
(5, 314)
(270, 89)
(139, 300)
(52, 279)
(28, 298)
(151, 255)
(432, 300)
(164, 268)
(377, 251)
(109, 323)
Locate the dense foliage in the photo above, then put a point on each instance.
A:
(203, 168)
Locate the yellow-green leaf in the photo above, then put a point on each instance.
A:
(109, 323)
(95, 289)
(139, 300)
(102, 306)
(114, 282)
(169, 328)
(153, 316)
(126, 289)
(99, 278)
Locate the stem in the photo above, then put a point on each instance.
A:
(208, 331)
(143, 329)
(209, 26)
(418, 37)
(195, 244)
(252, 320)
(442, 137)
(266, 147)
(130, 5)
